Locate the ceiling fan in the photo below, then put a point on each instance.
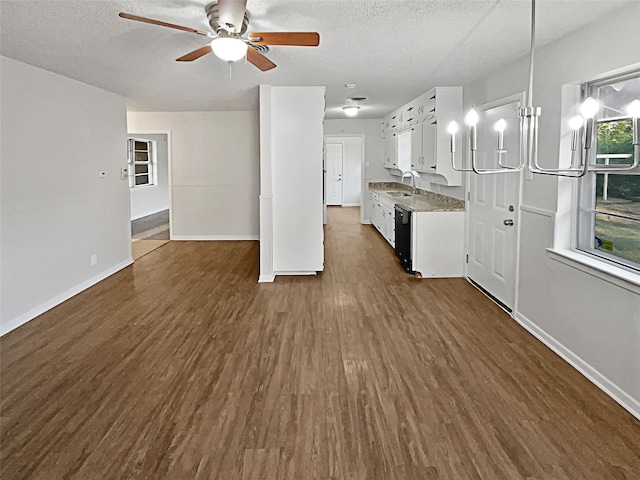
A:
(229, 20)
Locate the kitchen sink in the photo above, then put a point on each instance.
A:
(399, 194)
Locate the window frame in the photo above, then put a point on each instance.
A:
(150, 163)
(586, 208)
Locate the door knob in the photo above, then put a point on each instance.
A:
(508, 222)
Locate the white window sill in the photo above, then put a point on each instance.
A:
(142, 187)
(593, 266)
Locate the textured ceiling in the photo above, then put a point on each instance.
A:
(392, 50)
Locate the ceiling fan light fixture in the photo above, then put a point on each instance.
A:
(229, 49)
(351, 110)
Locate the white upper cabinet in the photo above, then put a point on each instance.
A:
(425, 119)
(391, 151)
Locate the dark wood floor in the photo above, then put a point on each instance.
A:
(183, 367)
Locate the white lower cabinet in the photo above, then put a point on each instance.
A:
(383, 217)
(437, 238)
(437, 243)
(388, 221)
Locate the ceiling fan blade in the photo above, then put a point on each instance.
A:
(196, 54)
(300, 39)
(231, 12)
(163, 24)
(259, 60)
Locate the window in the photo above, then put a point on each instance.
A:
(141, 155)
(609, 211)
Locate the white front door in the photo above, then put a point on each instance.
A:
(333, 161)
(494, 207)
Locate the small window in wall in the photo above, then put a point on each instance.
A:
(141, 155)
(609, 210)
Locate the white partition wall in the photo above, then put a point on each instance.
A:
(291, 138)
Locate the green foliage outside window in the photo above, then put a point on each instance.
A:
(615, 137)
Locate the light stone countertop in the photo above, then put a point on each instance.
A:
(423, 201)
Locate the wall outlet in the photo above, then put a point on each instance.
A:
(124, 173)
(94, 259)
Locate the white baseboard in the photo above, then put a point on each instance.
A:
(351, 204)
(6, 327)
(625, 400)
(214, 237)
(266, 278)
(297, 273)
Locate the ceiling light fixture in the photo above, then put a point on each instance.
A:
(351, 110)
(529, 130)
(229, 49)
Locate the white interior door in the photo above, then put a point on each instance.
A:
(334, 158)
(494, 207)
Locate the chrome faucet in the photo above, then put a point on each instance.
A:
(413, 174)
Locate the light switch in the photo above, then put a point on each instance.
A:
(102, 174)
(124, 173)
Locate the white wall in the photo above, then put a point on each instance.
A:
(215, 171)
(351, 168)
(373, 150)
(594, 323)
(155, 198)
(56, 213)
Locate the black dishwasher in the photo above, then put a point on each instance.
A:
(403, 236)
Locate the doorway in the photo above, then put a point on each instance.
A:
(334, 161)
(494, 205)
(148, 156)
(343, 165)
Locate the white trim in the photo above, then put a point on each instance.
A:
(625, 400)
(538, 211)
(153, 212)
(266, 278)
(214, 237)
(598, 268)
(6, 327)
(349, 205)
(516, 97)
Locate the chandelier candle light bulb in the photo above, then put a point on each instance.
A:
(575, 124)
(471, 119)
(452, 129)
(500, 127)
(588, 109)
